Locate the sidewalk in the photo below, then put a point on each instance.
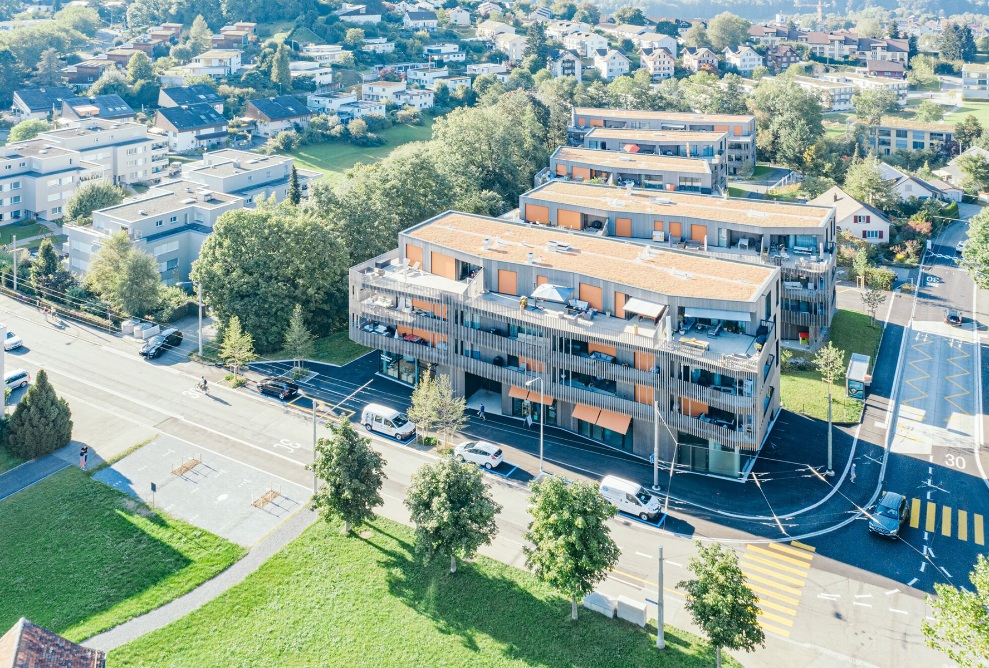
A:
(21, 477)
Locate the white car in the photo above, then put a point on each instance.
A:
(960, 247)
(481, 453)
(12, 341)
(15, 379)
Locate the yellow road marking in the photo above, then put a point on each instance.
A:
(786, 549)
(766, 592)
(803, 546)
(980, 538)
(771, 583)
(777, 607)
(945, 521)
(915, 514)
(773, 629)
(766, 571)
(924, 375)
(789, 560)
(962, 525)
(931, 516)
(776, 618)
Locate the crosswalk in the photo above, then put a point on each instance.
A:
(947, 521)
(777, 574)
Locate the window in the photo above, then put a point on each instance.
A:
(862, 220)
(173, 219)
(872, 234)
(16, 199)
(56, 210)
(172, 264)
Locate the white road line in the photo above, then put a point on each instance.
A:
(624, 582)
(899, 612)
(923, 565)
(945, 571)
(892, 591)
(863, 595)
(674, 563)
(911, 583)
(829, 597)
(864, 605)
(643, 554)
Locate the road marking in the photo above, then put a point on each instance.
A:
(962, 525)
(773, 629)
(931, 517)
(864, 605)
(777, 618)
(803, 546)
(770, 572)
(829, 597)
(643, 554)
(778, 567)
(892, 591)
(768, 592)
(787, 560)
(786, 549)
(911, 583)
(899, 612)
(945, 521)
(777, 607)
(977, 525)
(863, 595)
(674, 563)
(771, 583)
(915, 514)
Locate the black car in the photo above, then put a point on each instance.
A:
(889, 515)
(156, 345)
(283, 388)
(952, 317)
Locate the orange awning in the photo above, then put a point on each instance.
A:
(518, 393)
(537, 398)
(614, 422)
(586, 413)
(630, 148)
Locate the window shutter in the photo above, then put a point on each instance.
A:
(864, 235)
(880, 234)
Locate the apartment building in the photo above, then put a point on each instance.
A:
(744, 59)
(900, 134)
(216, 63)
(886, 69)
(564, 63)
(798, 239)
(740, 130)
(250, 176)
(451, 83)
(660, 63)
(644, 170)
(697, 58)
(585, 43)
(599, 333)
(710, 147)
(378, 45)
(326, 53)
(834, 95)
(447, 52)
(383, 91)
(781, 56)
(975, 81)
(899, 87)
(37, 178)
(510, 44)
(611, 63)
(497, 70)
(427, 77)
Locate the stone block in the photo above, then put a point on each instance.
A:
(631, 610)
(601, 604)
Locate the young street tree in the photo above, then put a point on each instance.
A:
(294, 189)
(298, 340)
(720, 601)
(960, 625)
(423, 411)
(352, 474)
(975, 255)
(452, 509)
(237, 347)
(830, 363)
(873, 299)
(41, 423)
(572, 545)
(450, 408)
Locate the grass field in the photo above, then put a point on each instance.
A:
(7, 461)
(335, 348)
(80, 557)
(978, 109)
(7, 232)
(326, 600)
(803, 391)
(334, 159)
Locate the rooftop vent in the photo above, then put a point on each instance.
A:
(142, 212)
(486, 245)
(662, 200)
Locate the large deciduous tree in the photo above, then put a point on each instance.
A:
(452, 509)
(864, 182)
(41, 423)
(572, 548)
(90, 197)
(975, 254)
(789, 120)
(720, 601)
(968, 131)
(975, 170)
(630, 15)
(125, 277)
(727, 31)
(140, 68)
(959, 623)
(351, 473)
(28, 129)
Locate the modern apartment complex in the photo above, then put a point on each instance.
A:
(644, 170)
(602, 333)
(252, 176)
(796, 238)
(739, 130)
(897, 134)
(707, 146)
(975, 81)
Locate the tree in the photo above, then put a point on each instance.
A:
(237, 347)
(727, 31)
(200, 36)
(830, 363)
(125, 277)
(860, 263)
(41, 423)
(588, 12)
(865, 183)
(182, 53)
(423, 411)
(929, 112)
(959, 623)
(140, 68)
(720, 601)
(452, 509)
(696, 36)
(572, 548)
(111, 82)
(869, 28)
(46, 266)
(294, 189)
(298, 340)
(85, 20)
(967, 131)
(357, 128)
(975, 169)
(49, 70)
(354, 38)
(956, 43)
(281, 73)
(760, 72)
(873, 299)
(92, 196)
(665, 27)
(630, 15)
(975, 255)
(872, 104)
(351, 473)
(921, 71)
(28, 129)
(789, 120)
(450, 417)
(535, 46)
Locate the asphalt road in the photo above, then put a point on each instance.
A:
(817, 608)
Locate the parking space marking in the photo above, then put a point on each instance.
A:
(945, 521)
(962, 525)
(931, 517)
(915, 514)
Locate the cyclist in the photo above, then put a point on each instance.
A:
(203, 386)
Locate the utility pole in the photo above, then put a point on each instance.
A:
(655, 452)
(13, 246)
(542, 416)
(830, 471)
(660, 633)
(199, 293)
(314, 403)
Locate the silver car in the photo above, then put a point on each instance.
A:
(12, 342)
(481, 453)
(16, 378)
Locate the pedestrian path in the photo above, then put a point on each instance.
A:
(23, 476)
(947, 521)
(777, 574)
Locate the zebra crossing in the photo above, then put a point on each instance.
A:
(777, 574)
(947, 521)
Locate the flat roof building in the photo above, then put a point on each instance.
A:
(644, 170)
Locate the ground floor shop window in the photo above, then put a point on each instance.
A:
(707, 456)
(608, 437)
(401, 368)
(523, 407)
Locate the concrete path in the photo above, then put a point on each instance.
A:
(21, 477)
(207, 591)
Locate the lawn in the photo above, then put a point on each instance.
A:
(334, 158)
(326, 600)
(80, 557)
(337, 348)
(803, 391)
(7, 461)
(978, 109)
(22, 231)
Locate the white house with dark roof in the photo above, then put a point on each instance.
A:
(183, 96)
(744, 59)
(110, 107)
(564, 63)
(697, 58)
(861, 220)
(490, 29)
(192, 127)
(611, 63)
(274, 114)
(40, 103)
(458, 16)
(421, 20)
(357, 14)
(659, 63)
(906, 185)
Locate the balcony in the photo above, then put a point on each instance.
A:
(707, 427)
(401, 279)
(378, 335)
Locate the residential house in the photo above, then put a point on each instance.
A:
(655, 40)
(327, 54)
(559, 29)
(659, 63)
(382, 91)
(975, 81)
(888, 69)
(697, 58)
(611, 63)
(644, 170)
(40, 103)
(27, 645)
(564, 63)
(451, 82)
(907, 185)
(458, 16)
(360, 109)
(585, 43)
(952, 172)
(248, 175)
(423, 99)
(780, 57)
(540, 15)
(772, 35)
(357, 14)
(320, 73)
(378, 45)
(192, 127)
(744, 59)
(421, 20)
(861, 220)
(120, 57)
(330, 102)
(490, 29)
(834, 95)
(230, 37)
(623, 30)
(216, 63)
(512, 45)
(87, 72)
(445, 53)
(110, 107)
(486, 8)
(274, 114)
(899, 134)
(497, 70)
(426, 77)
(615, 317)
(899, 87)
(183, 96)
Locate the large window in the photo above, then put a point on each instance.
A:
(606, 436)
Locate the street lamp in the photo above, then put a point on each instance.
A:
(314, 405)
(542, 415)
(199, 295)
(655, 464)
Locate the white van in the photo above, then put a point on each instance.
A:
(630, 498)
(387, 421)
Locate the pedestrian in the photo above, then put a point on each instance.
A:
(853, 474)
(528, 421)
(480, 413)
(83, 456)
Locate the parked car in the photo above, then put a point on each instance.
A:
(16, 378)
(388, 421)
(283, 388)
(481, 453)
(12, 341)
(630, 497)
(156, 345)
(959, 247)
(952, 317)
(889, 515)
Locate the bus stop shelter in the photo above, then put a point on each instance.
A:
(857, 376)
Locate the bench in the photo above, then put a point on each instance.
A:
(697, 344)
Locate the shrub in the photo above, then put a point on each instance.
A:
(41, 423)
(880, 278)
(235, 381)
(370, 139)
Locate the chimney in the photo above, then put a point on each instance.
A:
(835, 196)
